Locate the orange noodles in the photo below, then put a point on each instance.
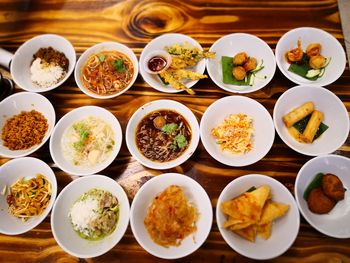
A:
(107, 72)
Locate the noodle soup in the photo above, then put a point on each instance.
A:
(163, 135)
(88, 142)
(107, 72)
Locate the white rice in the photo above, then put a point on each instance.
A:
(44, 74)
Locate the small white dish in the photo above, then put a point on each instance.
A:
(336, 222)
(159, 43)
(154, 106)
(156, 53)
(105, 46)
(10, 172)
(21, 61)
(195, 194)
(25, 101)
(263, 134)
(335, 117)
(70, 118)
(284, 229)
(232, 44)
(61, 226)
(330, 48)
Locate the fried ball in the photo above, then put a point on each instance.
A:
(313, 49)
(296, 54)
(250, 64)
(318, 202)
(317, 62)
(333, 187)
(159, 122)
(240, 58)
(239, 73)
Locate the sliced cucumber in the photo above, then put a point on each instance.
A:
(313, 73)
(322, 72)
(259, 67)
(251, 80)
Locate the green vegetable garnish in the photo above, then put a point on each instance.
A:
(228, 78)
(302, 68)
(119, 65)
(315, 183)
(180, 140)
(301, 125)
(169, 128)
(163, 80)
(84, 133)
(251, 189)
(101, 57)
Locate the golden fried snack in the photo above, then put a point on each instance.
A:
(250, 64)
(312, 126)
(298, 114)
(313, 49)
(296, 54)
(333, 187)
(317, 62)
(240, 58)
(318, 202)
(239, 73)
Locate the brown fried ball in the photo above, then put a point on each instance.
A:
(159, 122)
(318, 202)
(239, 73)
(240, 58)
(333, 187)
(317, 62)
(313, 49)
(250, 64)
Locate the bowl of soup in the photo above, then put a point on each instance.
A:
(106, 70)
(162, 134)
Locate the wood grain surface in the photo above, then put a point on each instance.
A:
(134, 23)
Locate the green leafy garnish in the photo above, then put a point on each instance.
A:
(301, 125)
(101, 57)
(180, 140)
(84, 133)
(315, 183)
(119, 65)
(169, 128)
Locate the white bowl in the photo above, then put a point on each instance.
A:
(105, 46)
(330, 48)
(25, 101)
(263, 134)
(69, 119)
(160, 43)
(196, 195)
(336, 222)
(22, 60)
(335, 116)
(284, 229)
(61, 226)
(232, 44)
(10, 172)
(161, 105)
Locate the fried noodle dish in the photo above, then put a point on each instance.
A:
(29, 198)
(235, 133)
(170, 218)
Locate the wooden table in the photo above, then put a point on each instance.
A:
(135, 23)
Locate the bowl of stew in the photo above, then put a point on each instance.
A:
(106, 70)
(162, 134)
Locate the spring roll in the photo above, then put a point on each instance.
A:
(312, 126)
(298, 114)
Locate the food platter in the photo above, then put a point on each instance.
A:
(164, 135)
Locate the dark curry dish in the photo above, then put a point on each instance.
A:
(163, 135)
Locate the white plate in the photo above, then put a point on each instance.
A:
(336, 222)
(61, 226)
(160, 43)
(232, 44)
(335, 116)
(161, 105)
(196, 195)
(25, 101)
(105, 46)
(263, 135)
(10, 172)
(330, 48)
(23, 58)
(284, 229)
(66, 121)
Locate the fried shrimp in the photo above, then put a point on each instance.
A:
(296, 54)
